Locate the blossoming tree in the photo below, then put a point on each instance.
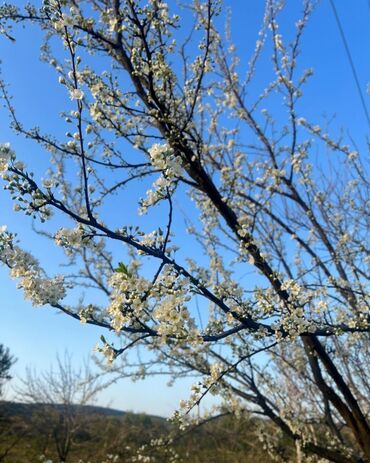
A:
(234, 191)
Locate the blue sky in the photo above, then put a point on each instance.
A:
(34, 336)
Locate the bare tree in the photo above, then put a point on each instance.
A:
(60, 395)
(291, 342)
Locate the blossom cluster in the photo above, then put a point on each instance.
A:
(71, 238)
(134, 298)
(163, 159)
(37, 287)
(25, 193)
(128, 299)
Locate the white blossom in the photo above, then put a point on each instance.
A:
(6, 155)
(76, 94)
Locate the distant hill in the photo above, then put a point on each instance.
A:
(21, 409)
(25, 409)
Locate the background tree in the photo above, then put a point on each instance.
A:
(8, 438)
(60, 395)
(182, 121)
(6, 362)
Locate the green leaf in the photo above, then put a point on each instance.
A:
(121, 268)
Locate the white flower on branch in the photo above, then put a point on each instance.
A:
(6, 154)
(76, 94)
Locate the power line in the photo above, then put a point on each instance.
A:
(355, 76)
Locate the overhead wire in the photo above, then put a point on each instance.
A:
(351, 62)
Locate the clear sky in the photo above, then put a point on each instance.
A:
(34, 336)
